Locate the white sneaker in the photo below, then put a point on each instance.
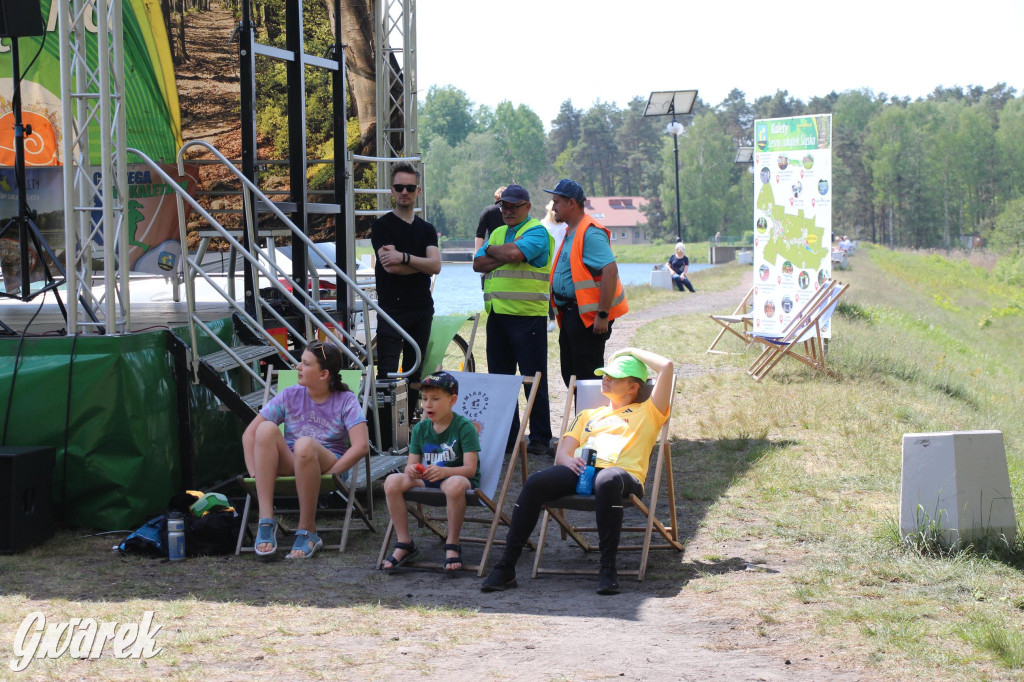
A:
(551, 325)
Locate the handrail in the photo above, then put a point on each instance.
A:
(342, 276)
(309, 310)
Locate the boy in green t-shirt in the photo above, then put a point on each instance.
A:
(443, 453)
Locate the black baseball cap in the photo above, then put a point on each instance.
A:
(442, 380)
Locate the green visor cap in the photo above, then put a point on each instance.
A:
(624, 366)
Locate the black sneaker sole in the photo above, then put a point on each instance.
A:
(608, 590)
(499, 588)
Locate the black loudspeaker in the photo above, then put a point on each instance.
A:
(26, 480)
(19, 18)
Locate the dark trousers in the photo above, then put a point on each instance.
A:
(611, 487)
(580, 350)
(391, 347)
(679, 281)
(517, 340)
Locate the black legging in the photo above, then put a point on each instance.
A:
(611, 487)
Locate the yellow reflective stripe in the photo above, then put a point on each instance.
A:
(586, 284)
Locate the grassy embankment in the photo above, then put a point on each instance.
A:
(921, 344)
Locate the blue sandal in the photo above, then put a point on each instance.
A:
(306, 542)
(266, 533)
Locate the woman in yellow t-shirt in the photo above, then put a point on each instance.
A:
(623, 434)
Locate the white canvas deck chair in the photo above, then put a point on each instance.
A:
(804, 331)
(360, 475)
(490, 401)
(743, 317)
(588, 395)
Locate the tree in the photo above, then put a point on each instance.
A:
(594, 156)
(852, 191)
(519, 135)
(357, 18)
(638, 144)
(736, 117)
(446, 113)
(779, 105)
(1008, 231)
(706, 154)
(565, 130)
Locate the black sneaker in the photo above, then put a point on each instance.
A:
(539, 448)
(607, 581)
(501, 578)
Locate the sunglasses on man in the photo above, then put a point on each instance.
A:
(404, 188)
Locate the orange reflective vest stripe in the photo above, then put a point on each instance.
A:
(587, 286)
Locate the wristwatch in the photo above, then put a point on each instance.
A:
(603, 314)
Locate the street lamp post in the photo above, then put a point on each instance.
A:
(673, 103)
(674, 129)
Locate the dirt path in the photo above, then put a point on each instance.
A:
(208, 89)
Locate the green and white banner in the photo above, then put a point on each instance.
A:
(792, 216)
(153, 125)
(151, 97)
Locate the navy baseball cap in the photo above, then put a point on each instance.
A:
(569, 189)
(514, 194)
(442, 380)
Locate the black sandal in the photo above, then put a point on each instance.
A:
(410, 547)
(451, 572)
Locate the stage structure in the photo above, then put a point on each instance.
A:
(182, 373)
(396, 87)
(92, 89)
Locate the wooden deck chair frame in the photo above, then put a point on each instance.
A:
(669, 532)
(740, 316)
(805, 330)
(284, 486)
(492, 507)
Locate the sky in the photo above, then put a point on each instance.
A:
(542, 52)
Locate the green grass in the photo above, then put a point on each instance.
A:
(918, 347)
(697, 252)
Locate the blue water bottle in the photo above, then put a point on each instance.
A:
(585, 486)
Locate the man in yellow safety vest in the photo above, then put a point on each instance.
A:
(516, 261)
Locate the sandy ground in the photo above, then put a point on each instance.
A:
(661, 629)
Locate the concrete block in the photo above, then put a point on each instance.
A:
(661, 278)
(959, 480)
(745, 258)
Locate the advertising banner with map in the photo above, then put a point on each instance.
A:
(792, 216)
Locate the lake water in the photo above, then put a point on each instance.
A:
(457, 289)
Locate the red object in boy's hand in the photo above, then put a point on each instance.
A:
(420, 469)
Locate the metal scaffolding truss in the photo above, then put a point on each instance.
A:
(396, 84)
(92, 98)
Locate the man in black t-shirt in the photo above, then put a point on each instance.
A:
(490, 220)
(407, 255)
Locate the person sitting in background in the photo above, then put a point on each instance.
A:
(679, 264)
